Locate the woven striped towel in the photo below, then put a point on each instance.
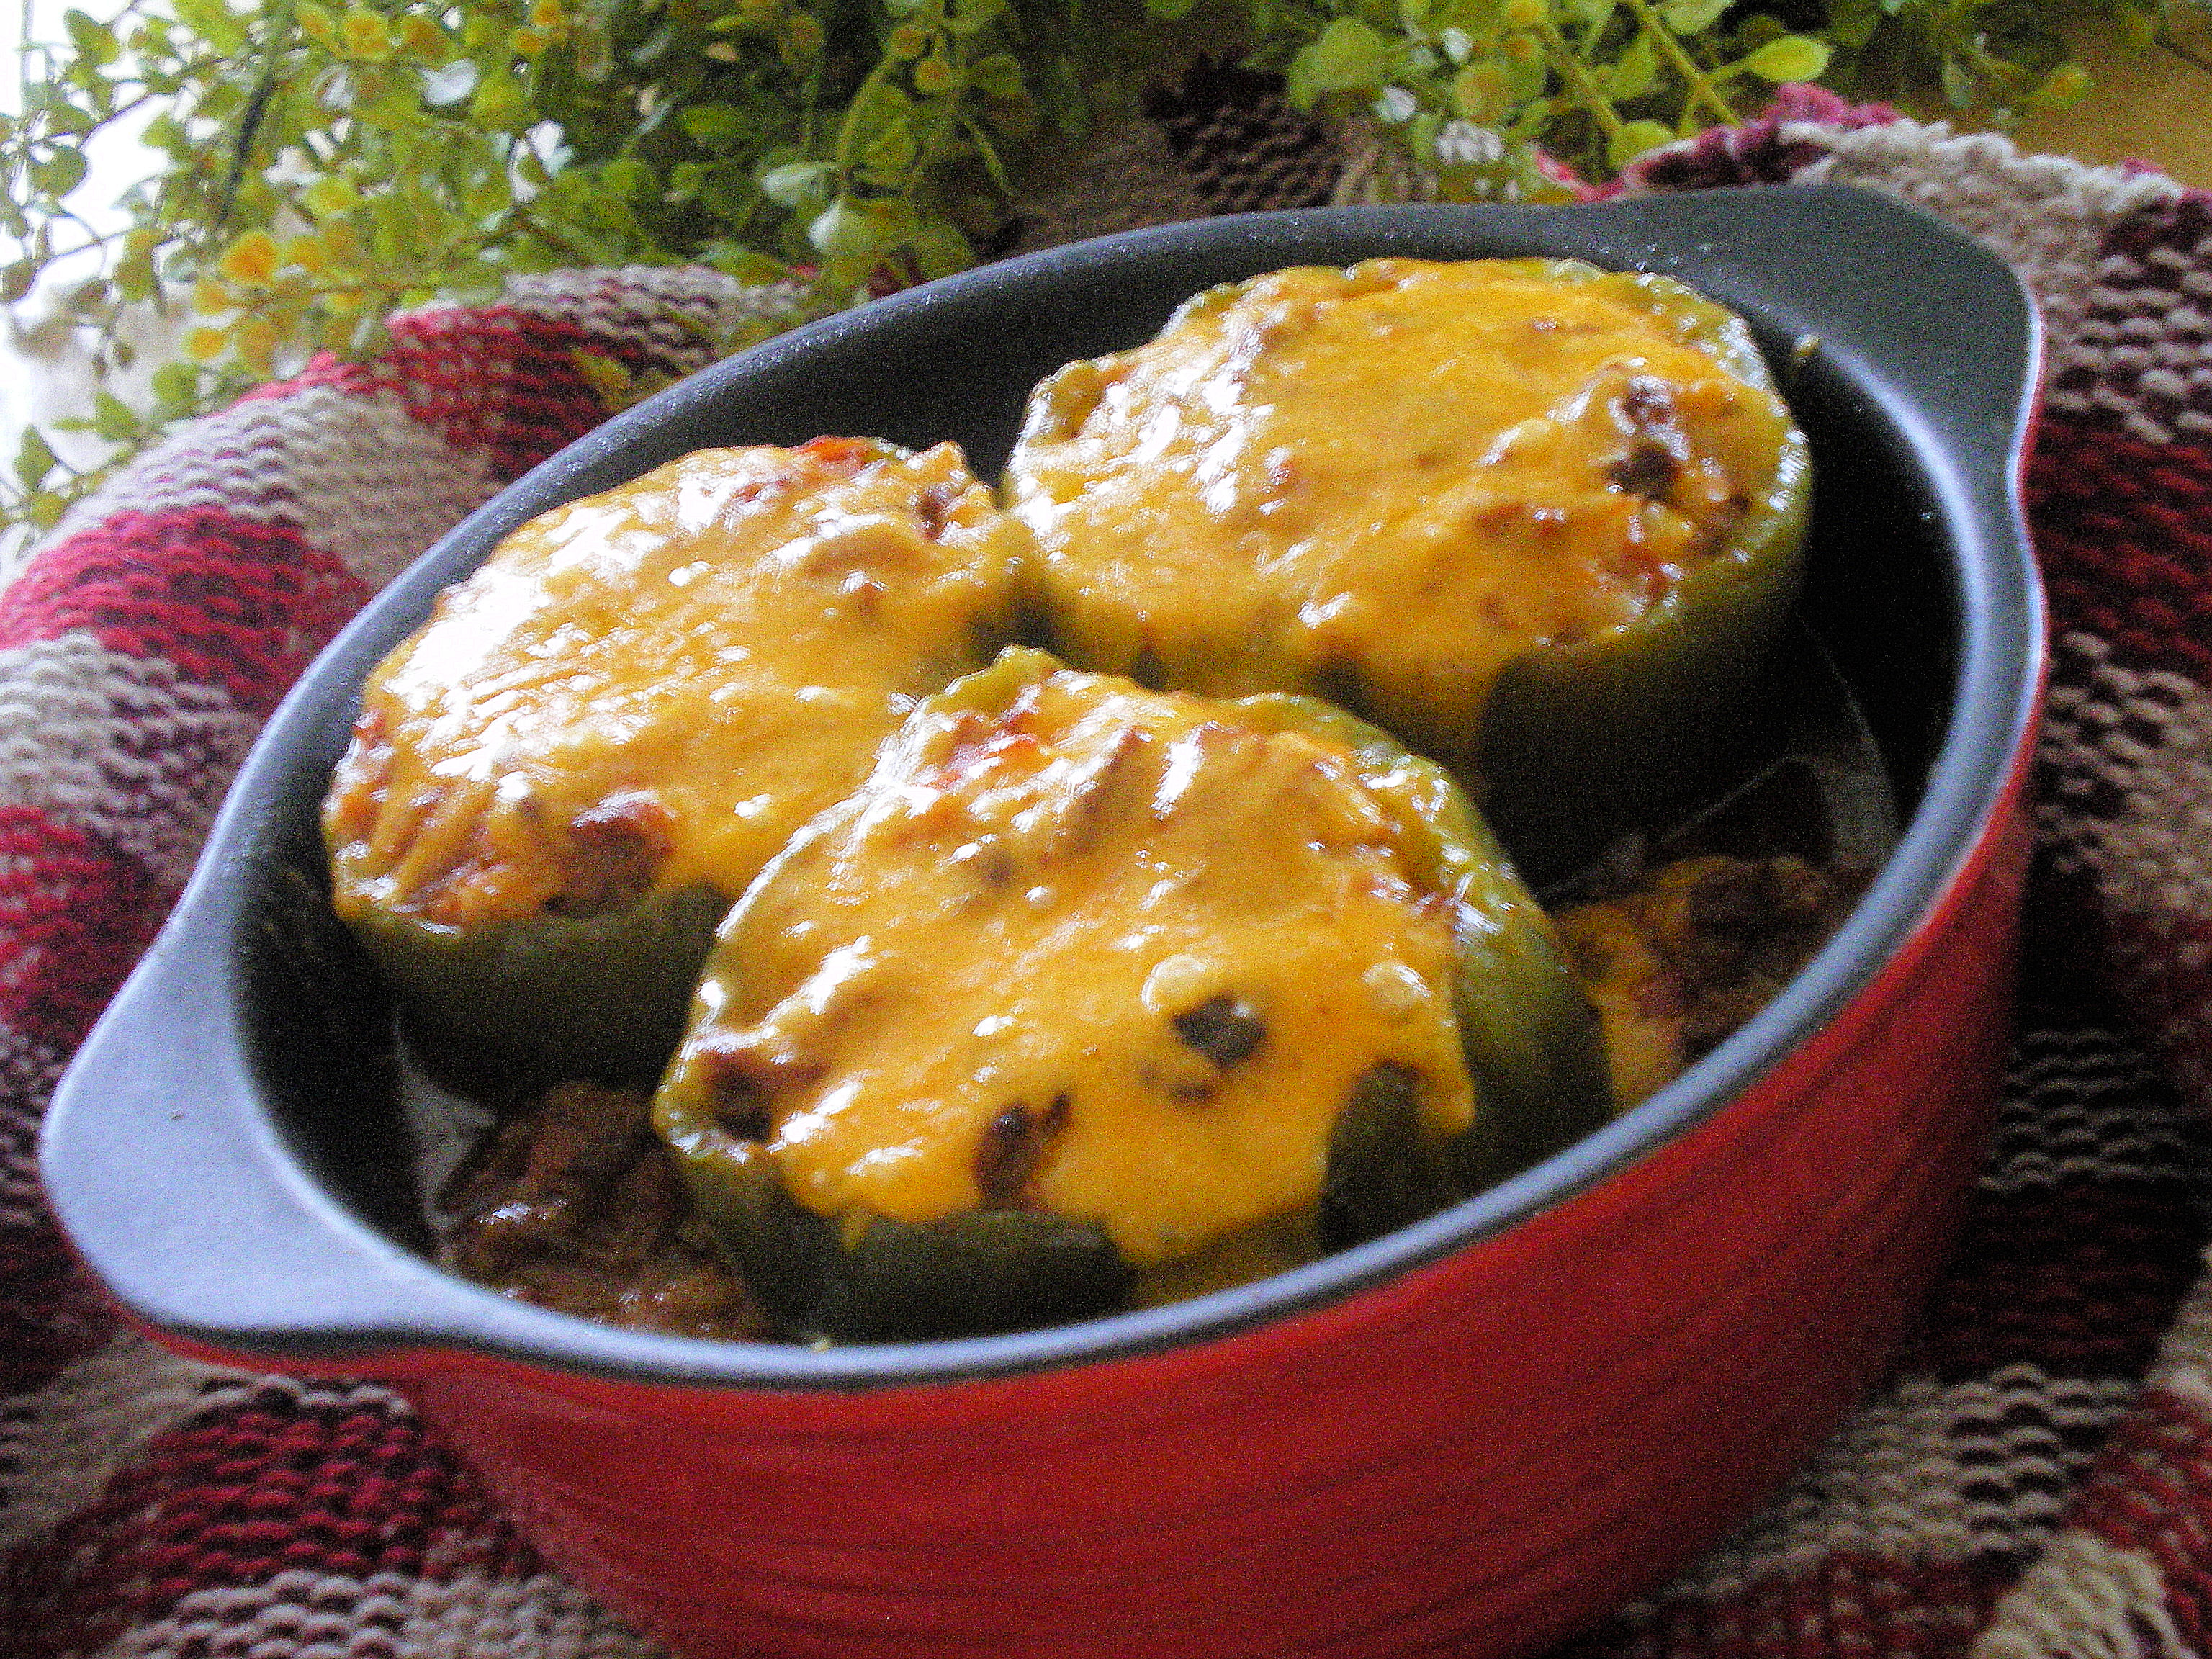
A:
(2033, 1479)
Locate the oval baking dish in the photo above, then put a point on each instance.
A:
(1479, 1430)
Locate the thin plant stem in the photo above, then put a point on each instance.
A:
(1697, 86)
(1577, 78)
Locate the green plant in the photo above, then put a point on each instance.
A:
(315, 167)
(1473, 87)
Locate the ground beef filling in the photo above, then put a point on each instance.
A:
(1681, 956)
(1752, 924)
(572, 1203)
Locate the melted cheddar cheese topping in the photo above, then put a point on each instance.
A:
(1107, 953)
(1391, 478)
(654, 687)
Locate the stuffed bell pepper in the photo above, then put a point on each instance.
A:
(557, 787)
(1092, 996)
(1539, 520)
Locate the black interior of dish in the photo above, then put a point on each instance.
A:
(322, 1033)
(1881, 596)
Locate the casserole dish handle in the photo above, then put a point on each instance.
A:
(208, 1224)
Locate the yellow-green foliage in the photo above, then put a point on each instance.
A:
(316, 166)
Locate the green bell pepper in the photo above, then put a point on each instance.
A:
(562, 779)
(503, 1008)
(1252, 502)
(1529, 1039)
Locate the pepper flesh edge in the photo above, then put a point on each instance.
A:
(474, 1001)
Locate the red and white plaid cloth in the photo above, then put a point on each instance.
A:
(2035, 1478)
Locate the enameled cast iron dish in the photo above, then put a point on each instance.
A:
(1481, 1431)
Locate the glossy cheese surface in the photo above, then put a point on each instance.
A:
(654, 687)
(1104, 952)
(1391, 478)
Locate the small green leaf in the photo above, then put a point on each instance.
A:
(330, 196)
(1633, 139)
(999, 75)
(876, 108)
(1527, 72)
(1347, 57)
(1634, 70)
(892, 150)
(174, 387)
(1480, 93)
(95, 41)
(395, 233)
(365, 36)
(17, 280)
(1422, 133)
(1532, 116)
(214, 23)
(1692, 17)
(751, 267)
(474, 282)
(933, 76)
(335, 333)
(794, 181)
(1958, 84)
(68, 120)
(970, 17)
(2061, 89)
(134, 280)
(499, 104)
(630, 178)
(939, 249)
(34, 459)
(844, 231)
(58, 172)
(894, 219)
(111, 418)
(1791, 57)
